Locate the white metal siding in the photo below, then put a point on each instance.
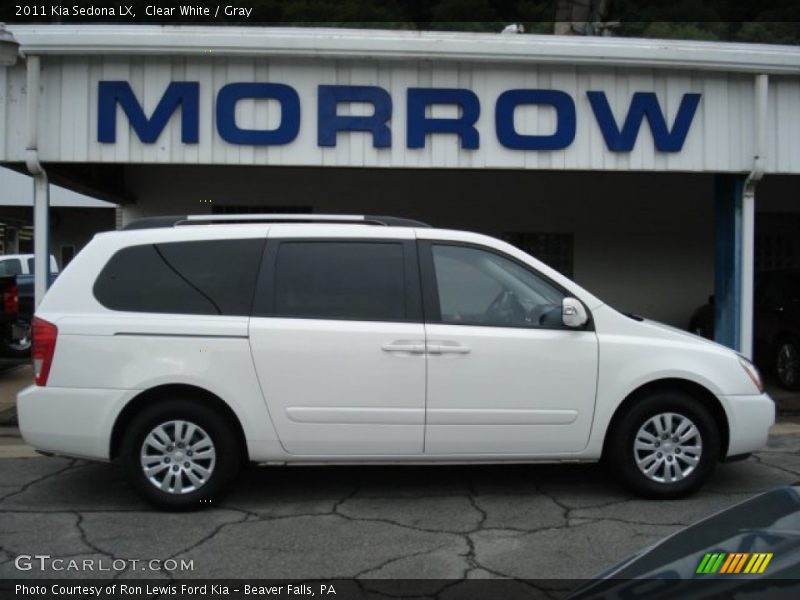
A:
(720, 138)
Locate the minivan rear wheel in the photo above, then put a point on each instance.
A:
(179, 454)
(665, 446)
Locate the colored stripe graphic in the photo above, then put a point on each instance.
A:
(755, 562)
(728, 563)
(739, 563)
(711, 562)
(701, 568)
(763, 562)
(734, 563)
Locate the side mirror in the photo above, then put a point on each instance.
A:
(573, 314)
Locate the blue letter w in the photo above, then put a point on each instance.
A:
(644, 105)
(184, 93)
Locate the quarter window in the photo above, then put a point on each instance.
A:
(214, 277)
(477, 287)
(340, 280)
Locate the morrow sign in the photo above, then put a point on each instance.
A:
(185, 95)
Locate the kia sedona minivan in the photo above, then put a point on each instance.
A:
(185, 347)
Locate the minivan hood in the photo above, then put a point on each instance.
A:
(681, 335)
(686, 335)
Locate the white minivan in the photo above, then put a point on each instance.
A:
(187, 346)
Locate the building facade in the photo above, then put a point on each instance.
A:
(646, 170)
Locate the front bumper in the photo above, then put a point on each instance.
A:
(70, 421)
(749, 420)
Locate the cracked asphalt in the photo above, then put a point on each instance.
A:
(518, 521)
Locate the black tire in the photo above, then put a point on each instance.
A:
(641, 419)
(210, 425)
(17, 348)
(786, 363)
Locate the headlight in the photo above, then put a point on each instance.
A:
(752, 373)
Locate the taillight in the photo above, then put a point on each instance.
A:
(11, 300)
(43, 345)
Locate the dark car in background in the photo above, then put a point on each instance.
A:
(15, 341)
(776, 325)
(9, 308)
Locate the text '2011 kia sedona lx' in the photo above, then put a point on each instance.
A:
(185, 347)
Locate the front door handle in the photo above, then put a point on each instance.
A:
(409, 346)
(447, 347)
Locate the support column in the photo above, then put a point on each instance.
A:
(41, 236)
(747, 282)
(733, 229)
(41, 187)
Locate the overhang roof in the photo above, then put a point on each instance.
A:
(327, 43)
(16, 189)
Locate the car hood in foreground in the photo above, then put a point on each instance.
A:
(768, 523)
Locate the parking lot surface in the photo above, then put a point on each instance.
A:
(521, 521)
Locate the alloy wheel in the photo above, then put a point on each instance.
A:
(788, 364)
(178, 457)
(667, 447)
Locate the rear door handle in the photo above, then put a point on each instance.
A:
(447, 347)
(409, 346)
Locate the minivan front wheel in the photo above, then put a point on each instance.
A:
(179, 454)
(666, 445)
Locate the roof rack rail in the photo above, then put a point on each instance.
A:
(174, 221)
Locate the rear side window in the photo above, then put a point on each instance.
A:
(215, 277)
(340, 280)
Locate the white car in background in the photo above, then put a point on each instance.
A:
(186, 346)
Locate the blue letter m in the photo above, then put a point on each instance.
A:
(644, 105)
(184, 93)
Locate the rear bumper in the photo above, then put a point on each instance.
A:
(749, 420)
(70, 421)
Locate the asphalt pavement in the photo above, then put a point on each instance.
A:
(520, 521)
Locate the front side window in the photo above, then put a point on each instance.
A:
(478, 287)
(214, 277)
(340, 280)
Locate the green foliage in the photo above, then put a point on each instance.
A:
(341, 11)
(672, 31)
(769, 32)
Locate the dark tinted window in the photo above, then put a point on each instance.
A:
(340, 280)
(10, 266)
(200, 278)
